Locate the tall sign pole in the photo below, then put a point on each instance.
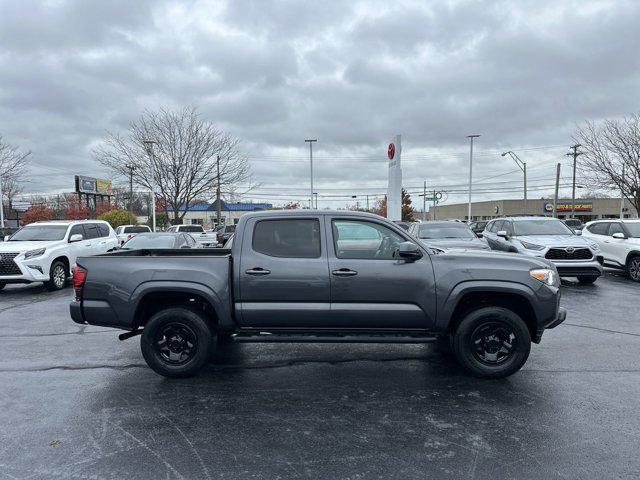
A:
(470, 137)
(310, 141)
(555, 198)
(394, 188)
(575, 153)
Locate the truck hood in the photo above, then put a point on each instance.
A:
(555, 240)
(494, 259)
(457, 243)
(25, 246)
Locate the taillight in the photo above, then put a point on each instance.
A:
(129, 236)
(79, 277)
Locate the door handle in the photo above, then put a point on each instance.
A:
(257, 271)
(344, 272)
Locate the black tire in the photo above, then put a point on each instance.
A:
(57, 276)
(177, 342)
(633, 268)
(587, 280)
(479, 341)
(2, 285)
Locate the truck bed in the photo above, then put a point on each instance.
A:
(117, 282)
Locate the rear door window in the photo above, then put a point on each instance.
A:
(103, 228)
(293, 238)
(91, 230)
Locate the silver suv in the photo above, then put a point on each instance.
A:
(573, 255)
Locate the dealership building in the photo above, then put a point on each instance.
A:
(586, 209)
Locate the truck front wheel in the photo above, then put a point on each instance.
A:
(492, 342)
(177, 342)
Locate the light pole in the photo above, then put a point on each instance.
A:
(148, 144)
(523, 167)
(310, 141)
(575, 154)
(470, 137)
(1, 204)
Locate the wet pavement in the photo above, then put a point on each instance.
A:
(78, 403)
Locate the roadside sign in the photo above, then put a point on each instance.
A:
(391, 151)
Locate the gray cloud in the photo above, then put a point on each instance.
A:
(350, 73)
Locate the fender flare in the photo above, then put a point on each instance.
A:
(222, 311)
(449, 304)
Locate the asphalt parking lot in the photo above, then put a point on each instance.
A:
(78, 403)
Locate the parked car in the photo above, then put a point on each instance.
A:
(7, 232)
(619, 242)
(574, 224)
(126, 232)
(224, 232)
(45, 251)
(295, 276)
(448, 235)
(229, 243)
(548, 238)
(206, 239)
(478, 227)
(160, 240)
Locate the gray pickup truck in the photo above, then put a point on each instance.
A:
(319, 276)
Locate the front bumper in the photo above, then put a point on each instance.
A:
(31, 270)
(562, 315)
(591, 268)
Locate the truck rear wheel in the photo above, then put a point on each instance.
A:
(492, 342)
(177, 342)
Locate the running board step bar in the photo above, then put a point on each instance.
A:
(309, 338)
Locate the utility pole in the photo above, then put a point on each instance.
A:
(367, 202)
(435, 201)
(575, 155)
(218, 206)
(310, 141)
(131, 169)
(1, 204)
(470, 137)
(621, 195)
(555, 198)
(149, 147)
(523, 166)
(424, 200)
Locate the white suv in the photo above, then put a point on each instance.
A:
(619, 241)
(46, 251)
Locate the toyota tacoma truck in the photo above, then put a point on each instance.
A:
(329, 277)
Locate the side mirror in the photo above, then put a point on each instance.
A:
(7, 237)
(77, 237)
(578, 232)
(479, 234)
(619, 235)
(503, 234)
(408, 251)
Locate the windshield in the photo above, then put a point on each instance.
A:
(633, 229)
(445, 231)
(39, 233)
(541, 227)
(192, 229)
(149, 241)
(139, 229)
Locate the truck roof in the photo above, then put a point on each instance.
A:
(303, 213)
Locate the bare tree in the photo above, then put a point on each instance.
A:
(611, 155)
(181, 165)
(13, 166)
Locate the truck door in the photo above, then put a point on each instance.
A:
(284, 273)
(369, 287)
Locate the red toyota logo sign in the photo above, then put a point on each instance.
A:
(392, 151)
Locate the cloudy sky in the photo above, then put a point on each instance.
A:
(352, 74)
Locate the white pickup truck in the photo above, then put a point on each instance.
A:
(198, 233)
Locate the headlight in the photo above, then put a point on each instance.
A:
(545, 275)
(34, 253)
(531, 246)
(594, 246)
